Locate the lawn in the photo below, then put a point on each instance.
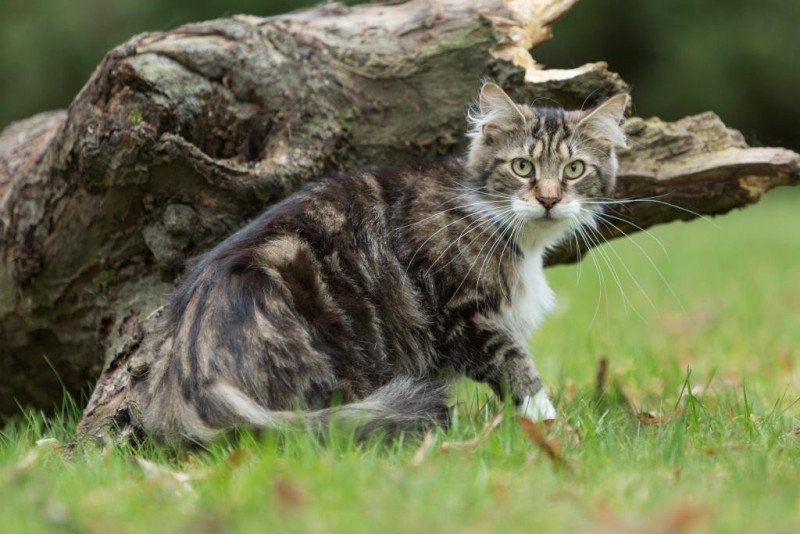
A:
(696, 425)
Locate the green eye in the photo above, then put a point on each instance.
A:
(574, 169)
(522, 167)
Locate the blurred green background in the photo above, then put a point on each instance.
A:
(740, 58)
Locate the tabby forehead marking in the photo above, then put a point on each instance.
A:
(563, 150)
(538, 149)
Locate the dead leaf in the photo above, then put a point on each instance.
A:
(785, 361)
(697, 321)
(550, 446)
(423, 450)
(42, 447)
(570, 431)
(654, 418)
(728, 379)
(288, 494)
(55, 511)
(474, 442)
(713, 450)
(174, 481)
(732, 379)
(49, 444)
(605, 519)
(500, 492)
(26, 462)
(237, 456)
(570, 390)
(685, 517)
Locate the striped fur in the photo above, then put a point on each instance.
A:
(370, 291)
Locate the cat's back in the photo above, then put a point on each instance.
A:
(353, 215)
(307, 298)
(326, 216)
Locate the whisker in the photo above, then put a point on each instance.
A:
(482, 211)
(472, 204)
(630, 274)
(634, 200)
(517, 223)
(479, 223)
(586, 100)
(489, 254)
(650, 260)
(422, 245)
(485, 223)
(465, 189)
(603, 215)
(612, 270)
(472, 265)
(600, 276)
(574, 226)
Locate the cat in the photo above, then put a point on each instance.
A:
(360, 297)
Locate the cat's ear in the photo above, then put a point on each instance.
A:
(604, 121)
(495, 101)
(497, 112)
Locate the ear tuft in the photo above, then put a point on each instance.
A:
(496, 111)
(604, 121)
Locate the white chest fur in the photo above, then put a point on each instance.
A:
(531, 298)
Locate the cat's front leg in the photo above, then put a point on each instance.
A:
(527, 388)
(507, 367)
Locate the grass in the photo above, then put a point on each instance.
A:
(715, 358)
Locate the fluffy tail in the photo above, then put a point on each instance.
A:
(404, 404)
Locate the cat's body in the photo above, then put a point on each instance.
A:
(373, 290)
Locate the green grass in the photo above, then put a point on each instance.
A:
(724, 327)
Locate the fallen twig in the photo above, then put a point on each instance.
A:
(423, 450)
(474, 442)
(551, 447)
(601, 380)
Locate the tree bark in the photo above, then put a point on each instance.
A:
(179, 138)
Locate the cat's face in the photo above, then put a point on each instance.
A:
(544, 168)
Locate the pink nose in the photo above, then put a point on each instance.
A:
(548, 202)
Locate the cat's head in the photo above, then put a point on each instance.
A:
(545, 167)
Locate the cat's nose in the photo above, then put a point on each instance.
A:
(548, 202)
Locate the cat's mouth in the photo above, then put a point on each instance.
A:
(537, 214)
(549, 217)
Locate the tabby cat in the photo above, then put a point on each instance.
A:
(370, 292)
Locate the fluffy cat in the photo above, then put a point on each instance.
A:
(372, 291)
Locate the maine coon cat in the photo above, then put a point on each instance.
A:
(371, 291)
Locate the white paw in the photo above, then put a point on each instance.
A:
(538, 407)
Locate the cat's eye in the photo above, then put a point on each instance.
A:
(522, 167)
(574, 169)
